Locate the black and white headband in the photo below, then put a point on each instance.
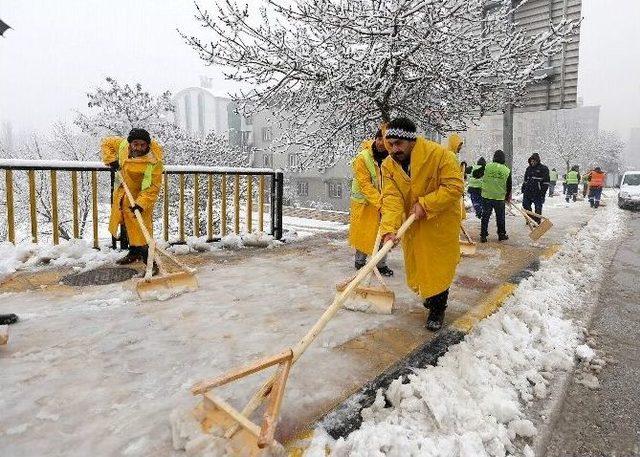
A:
(400, 134)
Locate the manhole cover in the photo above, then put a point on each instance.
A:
(100, 277)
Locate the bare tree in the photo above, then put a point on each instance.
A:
(331, 70)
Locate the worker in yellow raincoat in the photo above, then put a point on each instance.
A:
(423, 178)
(454, 144)
(139, 159)
(366, 201)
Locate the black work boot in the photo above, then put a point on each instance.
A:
(436, 317)
(134, 255)
(359, 265)
(503, 237)
(8, 319)
(385, 271)
(144, 252)
(483, 238)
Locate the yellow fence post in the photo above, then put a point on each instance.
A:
(165, 213)
(196, 205)
(11, 230)
(249, 203)
(223, 208)
(209, 207)
(54, 207)
(32, 206)
(261, 204)
(236, 204)
(74, 203)
(181, 209)
(94, 198)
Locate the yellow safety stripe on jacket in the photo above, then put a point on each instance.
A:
(356, 192)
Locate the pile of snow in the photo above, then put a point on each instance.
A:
(475, 401)
(75, 253)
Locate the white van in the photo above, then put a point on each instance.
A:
(629, 195)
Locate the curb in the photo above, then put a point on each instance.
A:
(346, 417)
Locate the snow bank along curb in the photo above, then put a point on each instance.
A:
(477, 400)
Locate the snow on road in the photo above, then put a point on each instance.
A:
(477, 400)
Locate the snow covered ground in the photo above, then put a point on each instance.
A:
(93, 371)
(485, 396)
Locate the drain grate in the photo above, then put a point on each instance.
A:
(99, 277)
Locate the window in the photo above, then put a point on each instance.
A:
(302, 188)
(266, 134)
(248, 120)
(335, 189)
(294, 160)
(267, 160)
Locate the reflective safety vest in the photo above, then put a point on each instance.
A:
(597, 179)
(553, 176)
(475, 182)
(123, 153)
(356, 193)
(572, 177)
(494, 182)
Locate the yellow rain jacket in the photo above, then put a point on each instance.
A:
(431, 247)
(365, 200)
(143, 176)
(452, 143)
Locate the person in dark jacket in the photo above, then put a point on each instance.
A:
(535, 185)
(475, 185)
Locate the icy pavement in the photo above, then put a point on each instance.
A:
(484, 396)
(94, 371)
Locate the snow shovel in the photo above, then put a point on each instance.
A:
(368, 298)
(166, 284)
(4, 334)
(537, 229)
(467, 247)
(245, 437)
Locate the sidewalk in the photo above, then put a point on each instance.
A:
(604, 419)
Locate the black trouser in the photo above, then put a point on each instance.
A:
(437, 301)
(476, 198)
(537, 200)
(572, 192)
(488, 206)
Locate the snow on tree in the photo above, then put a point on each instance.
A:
(118, 108)
(567, 142)
(61, 143)
(331, 70)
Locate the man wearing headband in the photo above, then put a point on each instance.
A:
(421, 177)
(139, 159)
(366, 199)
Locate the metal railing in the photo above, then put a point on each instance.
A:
(221, 186)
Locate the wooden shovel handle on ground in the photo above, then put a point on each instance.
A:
(262, 393)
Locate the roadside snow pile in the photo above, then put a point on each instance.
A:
(474, 402)
(78, 254)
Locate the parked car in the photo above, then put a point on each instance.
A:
(629, 194)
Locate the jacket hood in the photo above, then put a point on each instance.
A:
(454, 141)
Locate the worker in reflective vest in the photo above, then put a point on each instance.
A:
(572, 179)
(366, 201)
(475, 186)
(597, 179)
(496, 190)
(139, 159)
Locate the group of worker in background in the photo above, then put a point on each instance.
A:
(399, 173)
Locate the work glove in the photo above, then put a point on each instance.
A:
(136, 207)
(115, 165)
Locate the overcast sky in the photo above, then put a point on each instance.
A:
(60, 49)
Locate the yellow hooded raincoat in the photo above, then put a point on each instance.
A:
(431, 248)
(133, 171)
(365, 212)
(453, 142)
